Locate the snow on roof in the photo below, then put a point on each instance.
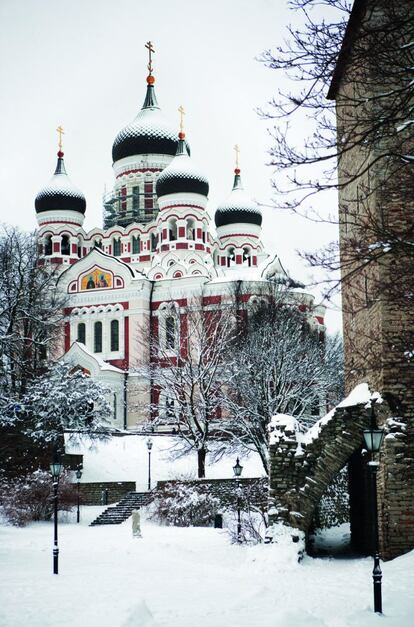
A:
(239, 273)
(103, 365)
(280, 423)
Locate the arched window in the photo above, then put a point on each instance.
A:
(48, 245)
(154, 242)
(65, 245)
(116, 245)
(82, 332)
(247, 258)
(97, 340)
(114, 335)
(172, 225)
(98, 243)
(204, 233)
(169, 408)
(79, 248)
(170, 332)
(231, 257)
(166, 407)
(135, 245)
(191, 231)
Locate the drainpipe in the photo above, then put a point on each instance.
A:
(125, 399)
(150, 344)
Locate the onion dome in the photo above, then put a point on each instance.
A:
(60, 194)
(149, 133)
(238, 208)
(181, 175)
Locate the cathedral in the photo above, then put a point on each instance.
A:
(155, 251)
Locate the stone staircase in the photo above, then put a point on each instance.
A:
(116, 514)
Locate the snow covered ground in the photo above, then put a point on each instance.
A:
(194, 577)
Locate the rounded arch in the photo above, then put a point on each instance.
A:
(311, 460)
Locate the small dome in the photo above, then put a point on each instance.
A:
(238, 208)
(60, 194)
(181, 175)
(149, 133)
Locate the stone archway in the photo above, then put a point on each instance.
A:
(302, 465)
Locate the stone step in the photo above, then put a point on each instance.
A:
(117, 514)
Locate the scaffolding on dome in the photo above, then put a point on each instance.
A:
(126, 208)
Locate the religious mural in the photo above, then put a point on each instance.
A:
(96, 279)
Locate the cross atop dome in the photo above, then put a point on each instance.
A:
(149, 46)
(60, 132)
(181, 134)
(237, 151)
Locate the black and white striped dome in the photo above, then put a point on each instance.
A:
(149, 133)
(181, 175)
(60, 194)
(239, 208)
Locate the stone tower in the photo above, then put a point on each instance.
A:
(376, 206)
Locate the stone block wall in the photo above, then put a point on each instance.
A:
(302, 466)
(91, 493)
(254, 490)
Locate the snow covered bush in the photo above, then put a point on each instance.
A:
(253, 526)
(29, 498)
(182, 506)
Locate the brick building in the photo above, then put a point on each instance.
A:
(376, 207)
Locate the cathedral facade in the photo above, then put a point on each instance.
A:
(155, 251)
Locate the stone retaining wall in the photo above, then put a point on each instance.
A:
(253, 490)
(91, 493)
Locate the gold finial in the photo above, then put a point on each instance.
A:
(150, 49)
(61, 132)
(237, 149)
(182, 114)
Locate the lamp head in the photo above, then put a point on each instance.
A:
(373, 439)
(237, 468)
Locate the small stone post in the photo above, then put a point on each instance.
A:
(136, 524)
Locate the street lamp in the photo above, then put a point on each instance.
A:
(149, 447)
(55, 469)
(237, 470)
(78, 477)
(374, 438)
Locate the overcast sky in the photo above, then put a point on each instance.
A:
(82, 64)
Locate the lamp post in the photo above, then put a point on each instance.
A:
(55, 470)
(237, 470)
(149, 447)
(374, 438)
(78, 477)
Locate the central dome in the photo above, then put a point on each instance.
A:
(149, 133)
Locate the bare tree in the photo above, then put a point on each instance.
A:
(188, 367)
(280, 365)
(351, 70)
(370, 53)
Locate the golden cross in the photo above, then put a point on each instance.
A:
(237, 149)
(182, 114)
(61, 132)
(150, 49)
